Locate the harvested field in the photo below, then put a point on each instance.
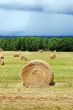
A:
(15, 96)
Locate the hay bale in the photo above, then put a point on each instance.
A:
(54, 51)
(2, 62)
(24, 58)
(40, 50)
(16, 55)
(53, 56)
(37, 73)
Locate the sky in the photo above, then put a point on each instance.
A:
(36, 17)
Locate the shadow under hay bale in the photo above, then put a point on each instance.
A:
(23, 58)
(37, 73)
(2, 62)
(1, 57)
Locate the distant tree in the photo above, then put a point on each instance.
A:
(45, 43)
(36, 43)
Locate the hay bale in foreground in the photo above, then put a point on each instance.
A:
(24, 58)
(37, 73)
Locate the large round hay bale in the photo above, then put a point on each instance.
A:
(37, 73)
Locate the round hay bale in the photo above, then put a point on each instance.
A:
(55, 51)
(2, 62)
(16, 55)
(24, 58)
(40, 50)
(53, 56)
(37, 73)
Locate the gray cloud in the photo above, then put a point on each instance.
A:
(58, 6)
(50, 6)
(32, 5)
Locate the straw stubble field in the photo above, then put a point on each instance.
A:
(14, 96)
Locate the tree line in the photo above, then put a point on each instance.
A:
(36, 43)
